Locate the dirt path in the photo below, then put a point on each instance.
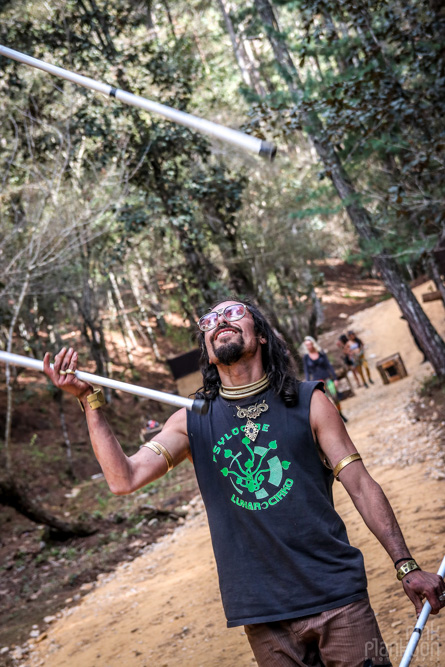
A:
(164, 610)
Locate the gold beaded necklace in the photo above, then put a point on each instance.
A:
(251, 429)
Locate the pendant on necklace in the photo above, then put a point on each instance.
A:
(251, 430)
(252, 411)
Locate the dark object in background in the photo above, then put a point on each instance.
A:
(184, 364)
(186, 372)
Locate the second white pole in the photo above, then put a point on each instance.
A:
(234, 137)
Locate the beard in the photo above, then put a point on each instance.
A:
(229, 353)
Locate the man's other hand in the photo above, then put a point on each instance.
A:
(419, 585)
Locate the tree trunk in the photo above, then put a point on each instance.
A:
(170, 19)
(18, 305)
(139, 329)
(94, 337)
(434, 273)
(12, 494)
(294, 332)
(59, 396)
(248, 72)
(200, 271)
(283, 331)
(134, 282)
(153, 294)
(126, 344)
(225, 235)
(316, 317)
(123, 314)
(90, 314)
(431, 341)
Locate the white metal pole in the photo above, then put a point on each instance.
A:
(421, 621)
(197, 405)
(234, 137)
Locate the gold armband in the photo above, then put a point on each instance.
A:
(95, 400)
(406, 568)
(345, 462)
(159, 449)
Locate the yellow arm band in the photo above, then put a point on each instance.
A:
(95, 400)
(406, 568)
(159, 449)
(345, 462)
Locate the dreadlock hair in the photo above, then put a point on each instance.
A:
(277, 363)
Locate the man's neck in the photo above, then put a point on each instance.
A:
(241, 373)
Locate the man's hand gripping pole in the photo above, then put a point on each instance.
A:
(195, 405)
(421, 621)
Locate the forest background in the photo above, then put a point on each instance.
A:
(116, 221)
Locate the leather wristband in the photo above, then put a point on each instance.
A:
(406, 568)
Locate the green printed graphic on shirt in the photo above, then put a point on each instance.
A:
(255, 472)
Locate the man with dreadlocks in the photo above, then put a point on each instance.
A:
(266, 455)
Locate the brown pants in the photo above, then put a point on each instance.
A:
(344, 637)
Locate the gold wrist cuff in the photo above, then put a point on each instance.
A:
(406, 568)
(159, 449)
(345, 462)
(95, 400)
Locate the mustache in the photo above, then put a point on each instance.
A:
(220, 327)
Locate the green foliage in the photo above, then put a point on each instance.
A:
(93, 186)
(372, 75)
(432, 384)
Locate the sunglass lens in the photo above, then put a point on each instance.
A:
(208, 321)
(235, 312)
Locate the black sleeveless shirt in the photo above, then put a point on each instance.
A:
(281, 549)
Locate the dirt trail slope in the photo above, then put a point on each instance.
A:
(164, 610)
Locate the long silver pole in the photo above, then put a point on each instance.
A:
(421, 621)
(197, 405)
(234, 137)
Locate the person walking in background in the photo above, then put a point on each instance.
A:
(347, 359)
(350, 358)
(357, 348)
(317, 366)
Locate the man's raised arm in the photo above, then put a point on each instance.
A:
(123, 473)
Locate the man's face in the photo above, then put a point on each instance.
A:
(228, 342)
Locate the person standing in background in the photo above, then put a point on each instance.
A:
(349, 362)
(317, 366)
(357, 348)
